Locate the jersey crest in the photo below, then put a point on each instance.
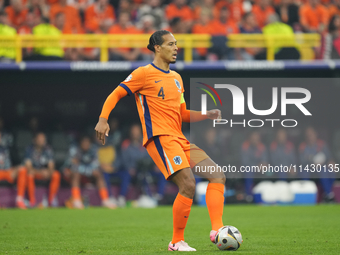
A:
(178, 160)
(178, 85)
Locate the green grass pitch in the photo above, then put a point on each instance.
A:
(265, 230)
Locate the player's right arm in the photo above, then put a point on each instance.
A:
(134, 82)
(102, 128)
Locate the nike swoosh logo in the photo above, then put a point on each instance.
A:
(158, 81)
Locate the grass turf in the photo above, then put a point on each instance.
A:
(265, 230)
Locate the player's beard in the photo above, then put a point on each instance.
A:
(172, 62)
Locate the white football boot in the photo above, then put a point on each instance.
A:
(180, 246)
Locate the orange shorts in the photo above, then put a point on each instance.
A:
(171, 153)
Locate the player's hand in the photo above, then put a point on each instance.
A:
(214, 114)
(102, 129)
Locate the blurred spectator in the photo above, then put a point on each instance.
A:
(282, 152)
(262, 10)
(127, 6)
(288, 12)
(178, 8)
(249, 26)
(235, 8)
(80, 5)
(72, 18)
(110, 163)
(99, 17)
(38, 8)
(313, 17)
(6, 54)
(40, 165)
(10, 173)
(275, 27)
(222, 27)
(134, 157)
(16, 13)
(147, 24)
(203, 26)
(153, 8)
(124, 26)
(334, 9)
(147, 27)
(30, 22)
(71, 54)
(315, 152)
(176, 26)
(84, 162)
(204, 7)
(253, 153)
(47, 53)
(331, 41)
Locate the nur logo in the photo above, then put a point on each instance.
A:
(239, 104)
(204, 97)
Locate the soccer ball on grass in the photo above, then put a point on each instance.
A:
(228, 238)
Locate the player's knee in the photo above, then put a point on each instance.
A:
(189, 188)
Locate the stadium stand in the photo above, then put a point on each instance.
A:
(226, 18)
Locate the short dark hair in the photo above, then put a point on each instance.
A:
(156, 39)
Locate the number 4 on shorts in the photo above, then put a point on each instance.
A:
(161, 93)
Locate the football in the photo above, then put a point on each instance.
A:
(228, 238)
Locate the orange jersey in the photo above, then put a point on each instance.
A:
(16, 19)
(72, 18)
(185, 12)
(158, 97)
(333, 10)
(235, 8)
(219, 28)
(202, 29)
(261, 15)
(93, 16)
(313, 17)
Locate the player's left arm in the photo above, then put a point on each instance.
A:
(195, 116)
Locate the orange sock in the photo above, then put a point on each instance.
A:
(103, 193)
(180, 213)
(6, 175)
(76, 193)
(54, 186)
(21, 181)
(31, 188)
(215, 203)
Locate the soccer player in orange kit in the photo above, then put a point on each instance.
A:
(162, 108)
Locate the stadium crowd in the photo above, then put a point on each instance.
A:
(219, 18)
(84, 160)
